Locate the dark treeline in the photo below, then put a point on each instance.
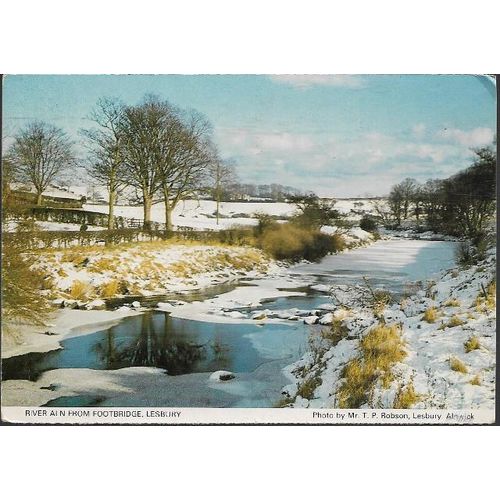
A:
(461, 205)
(273, 192)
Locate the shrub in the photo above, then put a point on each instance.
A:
(472, 344)
(368, 224)
(264, 221)
(464, 254)
(458, 366)
(21, 285)
(476, 380)
(406, 397)
(335, 333)
(284, 402)
(308, 386)
(290, 242)
(453, 302)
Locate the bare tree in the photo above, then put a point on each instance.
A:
(40, 153)
(222, 175)
(187, 154)
(143, 147)
(104, 144)
(407, 188)
(396, 203)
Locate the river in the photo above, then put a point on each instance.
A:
(156, 359)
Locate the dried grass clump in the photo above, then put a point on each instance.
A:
(380, 348)
(453, 302)
(486, 300)
(105, 264)
(471, 344)
(109, 289)
(431, 315)
(458, 366)
(406, 397)
(476, 380)
(81, 290)
(455, 321)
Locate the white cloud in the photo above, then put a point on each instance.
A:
(470, 138)
(306, 81)
(347, 165)
(418, 130)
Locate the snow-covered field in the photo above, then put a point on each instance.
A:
(11, 226)
(201, 214)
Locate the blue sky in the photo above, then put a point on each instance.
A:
(342, 135)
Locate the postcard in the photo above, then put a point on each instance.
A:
(248, 249)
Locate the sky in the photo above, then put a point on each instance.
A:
(336, 135)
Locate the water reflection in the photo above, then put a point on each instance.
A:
(155, 339)
(155, 346)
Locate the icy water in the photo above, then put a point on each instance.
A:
(256, 354)
(388, 264)
(155, 339)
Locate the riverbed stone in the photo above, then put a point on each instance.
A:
(96, 305)
(222, 376)
(327, 319)
(311, 320)
(259, 315)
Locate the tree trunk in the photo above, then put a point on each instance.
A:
(168, 216)
(148, 202)
(111, 211)
(217, 206)
(39, 198)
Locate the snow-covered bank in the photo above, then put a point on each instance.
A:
(226, 308)
(443, 348)
(80, 276)
(149, 387)
(20, 338)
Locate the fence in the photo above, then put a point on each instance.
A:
(66, 239)
(76, 216)
(70, 216)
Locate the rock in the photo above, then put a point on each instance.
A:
(136, 304)
(293, 318)
(221, 376)
(311, 320)
(97, 304)
(71, 304)
(327, 319)
(235, 314)
(58, 302)
(326, 307)
(259, 315)
(283, 315)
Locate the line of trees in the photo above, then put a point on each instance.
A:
(158, 150)
(460, 205)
